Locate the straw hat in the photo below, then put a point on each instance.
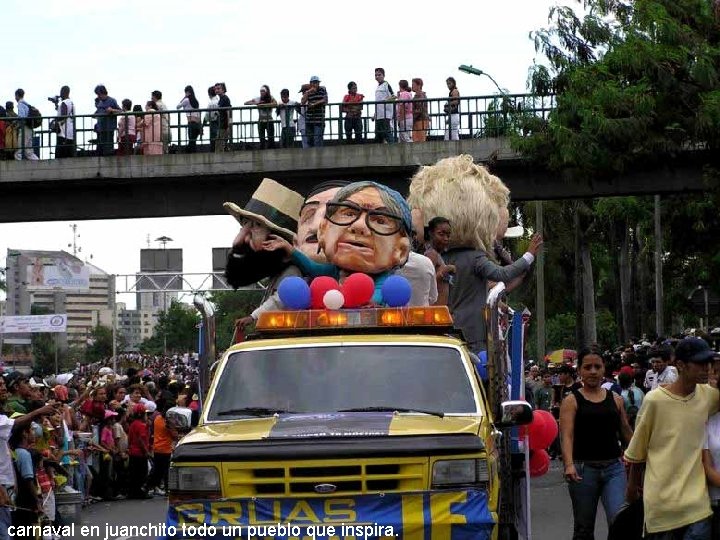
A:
(273, 205)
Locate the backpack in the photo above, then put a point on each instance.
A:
(632, 409)
(34, 118)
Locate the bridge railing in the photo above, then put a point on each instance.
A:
(171, 132)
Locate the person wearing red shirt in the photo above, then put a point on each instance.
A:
(352, 107)
(139, 452)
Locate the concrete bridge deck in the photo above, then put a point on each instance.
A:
(198, 184)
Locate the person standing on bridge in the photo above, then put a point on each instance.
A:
(106, 109)
(66, 124)
(384, 112)
(421, 119)
(190, 105)
(315, 98)
(211, 116)
(452, 109)
(26, 132)
(156, 96)
(151, 125)
(266, 126)
(352, 107)
(224, 117)
(405, 112)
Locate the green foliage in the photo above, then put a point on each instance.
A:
(176, 329)
(230, 306)
(636, 81)
(99, 345)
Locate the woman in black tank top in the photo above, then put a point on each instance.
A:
(592, 424)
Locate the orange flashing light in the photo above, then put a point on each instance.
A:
(355, 318)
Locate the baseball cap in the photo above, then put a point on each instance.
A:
(108, 414)
(314, 78)
(694, 349)
(139, 409)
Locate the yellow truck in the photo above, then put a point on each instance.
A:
(345, 424)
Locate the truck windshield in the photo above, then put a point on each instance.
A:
(336, 378)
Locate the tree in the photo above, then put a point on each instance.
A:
(637, 84)
(99, 344)
(176, 331)
(230, 306)
(3, 282)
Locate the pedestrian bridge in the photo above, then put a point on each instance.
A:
(188, 184)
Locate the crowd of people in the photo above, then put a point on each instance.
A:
(92, 432)
(638, 425)
(125, 129)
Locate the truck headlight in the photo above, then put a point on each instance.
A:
(460, 472)
(193, 479)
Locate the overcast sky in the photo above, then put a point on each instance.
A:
(134, 47)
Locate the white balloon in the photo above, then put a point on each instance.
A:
(333, 299)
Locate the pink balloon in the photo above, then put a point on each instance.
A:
(539, 463)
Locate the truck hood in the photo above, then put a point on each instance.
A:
(345, 425)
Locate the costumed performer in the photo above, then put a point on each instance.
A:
(376, 245)
(470, 198)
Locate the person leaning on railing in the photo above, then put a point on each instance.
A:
(190, 104)
(352, 107)
(105, 109)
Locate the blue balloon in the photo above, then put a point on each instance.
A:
(396, 291)
(294, 293)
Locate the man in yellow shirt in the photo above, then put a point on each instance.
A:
(667, 444)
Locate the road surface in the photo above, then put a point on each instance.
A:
(551, 512)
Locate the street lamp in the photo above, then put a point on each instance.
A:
(479, 72)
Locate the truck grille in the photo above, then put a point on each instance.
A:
(302, 477)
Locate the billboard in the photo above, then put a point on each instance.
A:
(166, 262)
(20, 324)
(48, 272)
(219, 260)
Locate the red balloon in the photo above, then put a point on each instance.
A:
(539, 463)
(319, 286)
(358, 290)
(550, 431)
(542, 430)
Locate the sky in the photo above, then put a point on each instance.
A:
(134, 47)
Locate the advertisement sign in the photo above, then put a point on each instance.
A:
(57, 272)
(20, 324)
(451, 514)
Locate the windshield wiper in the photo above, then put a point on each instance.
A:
(384, 408)
(253, 411)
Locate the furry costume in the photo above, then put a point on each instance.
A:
(465, 193)
(470, 198)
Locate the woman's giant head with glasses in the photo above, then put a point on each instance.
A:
(367, 229)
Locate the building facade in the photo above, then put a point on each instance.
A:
(58, 282)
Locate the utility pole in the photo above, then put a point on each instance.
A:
(75, 248)
(540, 285)
(659, 297)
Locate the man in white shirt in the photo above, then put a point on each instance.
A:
(661, 373)
(384, 113)
(286, 112)
(419, 270)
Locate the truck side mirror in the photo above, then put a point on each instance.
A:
(514, 413)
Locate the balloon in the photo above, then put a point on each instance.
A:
(333, 299)
(358, 290)
(294, 293)
(542, 430)
(539, 463)
(318, 288)
(396, 291)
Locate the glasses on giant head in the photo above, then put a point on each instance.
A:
(380, 222)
